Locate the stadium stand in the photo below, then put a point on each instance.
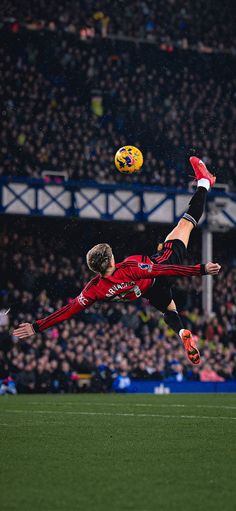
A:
(68, 104)
(202, 24)
(72, 91)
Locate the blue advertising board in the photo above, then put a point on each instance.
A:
(157, 387)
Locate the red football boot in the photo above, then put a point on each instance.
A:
(201, 171)
(190, 347)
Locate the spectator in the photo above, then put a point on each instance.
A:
(122, 382)
(208, 374)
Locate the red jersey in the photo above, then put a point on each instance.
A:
(130, 280)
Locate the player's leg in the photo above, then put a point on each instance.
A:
(190, 218)
(173, 320)
(173, 251)
(197, 204)
(160, 296)
(181, 232)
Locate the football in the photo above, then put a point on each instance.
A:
(128, 159)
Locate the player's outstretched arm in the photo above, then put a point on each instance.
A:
(147, 271)
(79, 303)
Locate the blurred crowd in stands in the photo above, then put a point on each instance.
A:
(204, 25)
(71, 94)
(68, 107)
(108, 344)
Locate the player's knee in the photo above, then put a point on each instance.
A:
(171, 306)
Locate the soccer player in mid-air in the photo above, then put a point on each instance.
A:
(142, 275)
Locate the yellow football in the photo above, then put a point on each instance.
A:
(128, 159)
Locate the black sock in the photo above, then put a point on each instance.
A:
(196, 206)
(173, 320)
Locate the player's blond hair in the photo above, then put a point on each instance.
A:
(99, 258)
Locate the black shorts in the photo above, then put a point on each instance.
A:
(160, 294)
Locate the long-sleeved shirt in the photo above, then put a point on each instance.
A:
(131, 279)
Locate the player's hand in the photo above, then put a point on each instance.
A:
(24, 330)
(212, 268)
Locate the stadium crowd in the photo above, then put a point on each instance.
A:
(199, 24)
(68, 107)
(113, 343)
(70, 96)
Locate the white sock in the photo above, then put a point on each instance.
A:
(181, 331)
(204, 182)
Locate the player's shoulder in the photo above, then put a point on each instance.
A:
(132, 260)
(139, 258)
(92, 283)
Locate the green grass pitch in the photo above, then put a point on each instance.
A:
(118, 452)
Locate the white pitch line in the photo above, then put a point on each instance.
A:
(41, 423)
(152, 405)
(122, 414)
(156, 405)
